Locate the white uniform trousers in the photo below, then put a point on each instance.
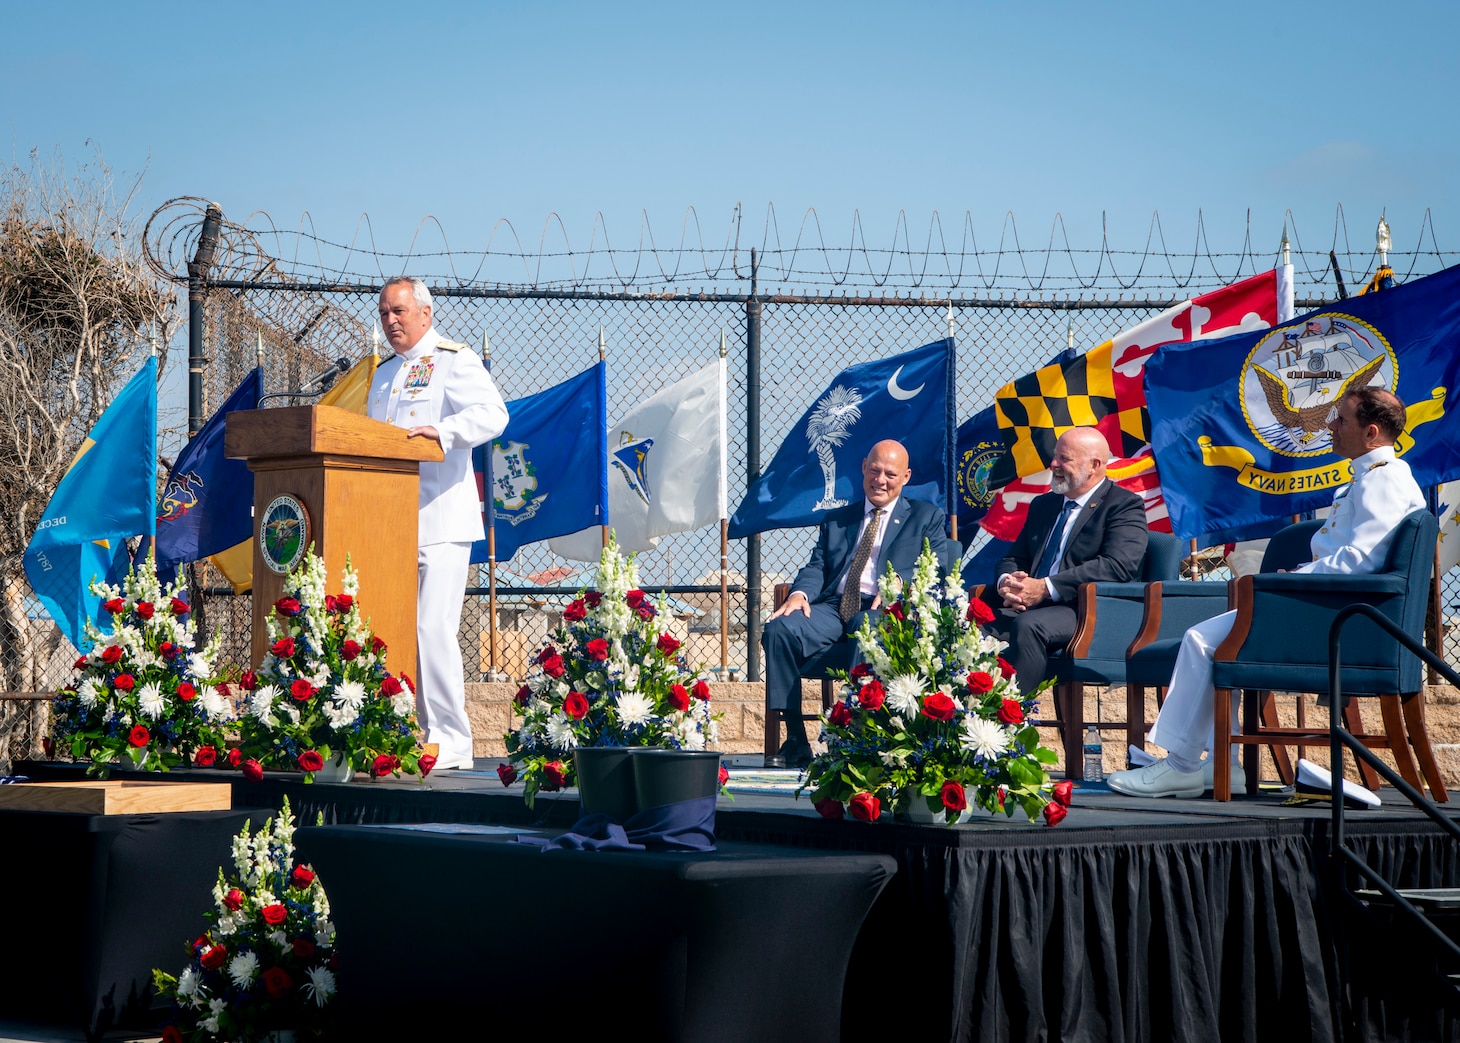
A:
(1185, 726)
(440, 685)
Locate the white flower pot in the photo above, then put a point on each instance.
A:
(337, 769)
(919, 815)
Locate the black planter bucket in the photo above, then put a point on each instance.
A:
(605, 781)
(671, 776)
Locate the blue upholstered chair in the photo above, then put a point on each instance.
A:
(1280, 642)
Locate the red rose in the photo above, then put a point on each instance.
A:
(953, 797)
(592, 598)
(302, 876)
(389, 685)
(425, 762)
(635, 598)
(724, 775)
(235, 757)
(274, 914)
(233, 900)
(48, 747)
(111, 653)
(205, 757)
(114, 606)
(980, 682)
(82, 663)
(701, 690)
(872, 695)
(283, 648)
(276, 981)
(646, 611)
(938, 706)
(1054, 813)
(860, 671)
(999, 797)
(249, 681)
(186, 692)
(253, 770)
(507, 773)
(200, 943)
(145, 609)
(172, 1034)
(895, 611)
(679, 697)
(576, 611)
(168, 650)
(1011, 712)
(287, 607)
(548, 652)
(344, 602)
(214, 957)
(350, 649)
(829, 808)
(865, 807)
(575, 706)
(376, 645)
(667, 644)
(1006, 668)
(553, 666)
(224, 690)
(310, 760)
(1064, 792)
(979, 612)
(180, 607)
(841, 715)
(331, 603)
(554, 775)
(384, 765)
(597, 649)
(523, 695)
(124, 682)
(405, 679)
(304, 948)
(301, 690)
(138, 736)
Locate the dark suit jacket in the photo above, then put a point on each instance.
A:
(912, 522)
(1107, 544)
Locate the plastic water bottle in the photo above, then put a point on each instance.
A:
(1094, 755)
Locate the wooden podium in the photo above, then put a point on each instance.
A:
(359, 482)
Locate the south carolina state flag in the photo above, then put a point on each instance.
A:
(1240, 426)
(818, 467)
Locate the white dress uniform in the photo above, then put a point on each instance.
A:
(445, 385)
(1354, 539)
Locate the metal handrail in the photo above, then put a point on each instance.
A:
(1340, 736)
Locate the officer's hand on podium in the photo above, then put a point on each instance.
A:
(425, 432)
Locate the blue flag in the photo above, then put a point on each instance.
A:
(548, 477)
(206, 503)
(108, 494)
(1239, 425)
(818, 467)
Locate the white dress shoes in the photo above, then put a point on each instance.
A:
(1158, 780)
(1239, 778)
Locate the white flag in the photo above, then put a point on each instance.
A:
(1449, 526)
(666, 467)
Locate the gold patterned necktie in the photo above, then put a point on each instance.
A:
(852, 592)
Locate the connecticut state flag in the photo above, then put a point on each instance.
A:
(1240, 425)
(818, 467)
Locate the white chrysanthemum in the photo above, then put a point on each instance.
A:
(217, 707)
(983, 738)
(560, 732)
(187, 983)
(341, 715)
(527, 733)
(150, 700)
(243, 968)
(261, 703)
(350, 693)
(403, 703)
(635, 708)
(902, 693)
(89, 691)
(199, 666)
(321, 984)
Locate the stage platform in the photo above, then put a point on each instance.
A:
(1132, 920)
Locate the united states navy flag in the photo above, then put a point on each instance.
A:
(1239, 425)
(548, 476)
(818, 467)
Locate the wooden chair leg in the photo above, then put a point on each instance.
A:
(828, 694)
(1419, 738)
(1398, 741)
(1135, 716)
(1222, 745)
(1070, 699)
(1279, 753)
(1353, 720)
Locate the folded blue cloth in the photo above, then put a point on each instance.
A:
(688, 825)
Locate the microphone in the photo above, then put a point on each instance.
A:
(324, 380)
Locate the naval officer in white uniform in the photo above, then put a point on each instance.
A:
(440, 390)
(1354, 539)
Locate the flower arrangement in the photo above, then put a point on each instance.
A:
(608, 676)
(323, 692)
(932, 714)
(146, 697)
(268, 962)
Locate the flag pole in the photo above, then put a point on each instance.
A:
(724, 528)
(951, 419)
(602, 354)
(491, 511)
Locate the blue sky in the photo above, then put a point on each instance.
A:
(473, 112)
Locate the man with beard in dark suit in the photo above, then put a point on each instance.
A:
(1086, 529)
(838, 586)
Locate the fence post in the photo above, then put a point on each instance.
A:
(752, 471)
(197, 276)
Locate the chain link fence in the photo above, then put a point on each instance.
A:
(299, 316)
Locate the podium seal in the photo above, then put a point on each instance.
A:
(284, 533)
